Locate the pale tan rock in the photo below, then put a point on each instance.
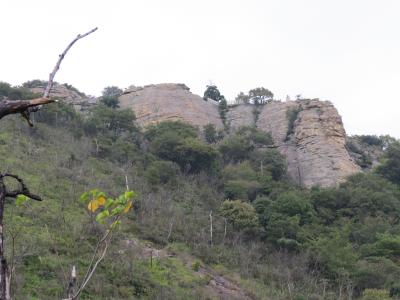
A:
(168, 101)
(315, 151)
(240, 115)
(320, 140)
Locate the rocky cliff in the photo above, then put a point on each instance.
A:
(162, 102)
(70, 95)
(309, 133)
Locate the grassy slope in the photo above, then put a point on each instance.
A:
(52, 235)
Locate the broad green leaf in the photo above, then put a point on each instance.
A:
(21, 199)
(84, 197)
(129, 194)
(117, 210)
(102, 216)
(109, 203)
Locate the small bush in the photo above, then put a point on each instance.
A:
(196, 266)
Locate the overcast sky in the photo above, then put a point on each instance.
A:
(345, 51)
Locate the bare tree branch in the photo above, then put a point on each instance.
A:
(23, 189)
(8, 107)
(46, 93)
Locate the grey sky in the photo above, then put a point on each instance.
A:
(345, 51)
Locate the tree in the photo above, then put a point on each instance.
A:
(178, 142)
(242, 98)
(235, 148)
(223, 109)
(390, 168)
(210, 133)
(4, 89)
(111, 91)
(256, 96)
(240, 214)
(161, 172)
(108, 212)
(20, 194)
(260, 95)
(212, 92)
(23, 107)
(110, 96)
(284, 216)
(270, 162)
(181, 129)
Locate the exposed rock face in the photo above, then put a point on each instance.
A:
(162, 102)
(241, 115)
(315, 147)
(319, 140)
(69, 95)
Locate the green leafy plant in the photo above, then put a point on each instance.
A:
(107, 212)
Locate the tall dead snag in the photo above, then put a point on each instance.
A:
(24, 107)
(61, 57)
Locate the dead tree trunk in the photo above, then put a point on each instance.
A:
(4, 272)
(8, 107)
(5, 290)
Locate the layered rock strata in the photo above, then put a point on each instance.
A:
(313, 142)
(162, 102)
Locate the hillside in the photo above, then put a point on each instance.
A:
(218, 215)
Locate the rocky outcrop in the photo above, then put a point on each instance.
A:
(162, 102)
(318, 146)
(313, 141)
(70, 95)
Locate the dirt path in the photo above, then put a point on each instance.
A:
(222, 287)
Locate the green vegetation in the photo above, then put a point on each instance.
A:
(110, 96)
(212, 93)
(390, 168)
(223, 110)
(291, 115)
(257, 96)
(274, 239)
(15, 92)
(210, 134)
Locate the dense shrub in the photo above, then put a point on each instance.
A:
(240, 214)
(210, 133)
(270, 162)
(371, 140)
(161, 172)
(390, 168)
(180, 129)
(178, 142)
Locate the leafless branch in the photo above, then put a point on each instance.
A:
(46, 93)
(23, 189)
